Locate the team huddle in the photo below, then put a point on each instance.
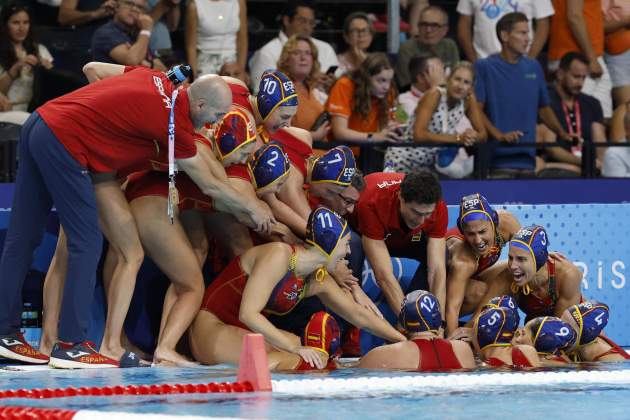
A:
(288, 229)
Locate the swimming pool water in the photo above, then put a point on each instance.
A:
(549, 402)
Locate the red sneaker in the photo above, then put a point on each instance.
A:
(15, 347)
(79, 356)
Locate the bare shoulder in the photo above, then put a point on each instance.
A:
(461, 257)
(508, 224)
(268, 254)
(299, 133)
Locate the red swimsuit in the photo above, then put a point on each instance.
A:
(436, 354)
(518, 360)
(223, 296)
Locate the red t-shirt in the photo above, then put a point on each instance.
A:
(377, 214)
(238, 170)
(112, 124)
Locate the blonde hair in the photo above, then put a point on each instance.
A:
(289, 47)
(463, 65)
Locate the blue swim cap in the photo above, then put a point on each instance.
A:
(234, 132)
(268, 164)
(495, 327)
(534, 240)
(476, 207)
(505, 301)
(551, 334)
(275, 89)
(336, 166)
(420, 312)
(324, 229)
(591, 318)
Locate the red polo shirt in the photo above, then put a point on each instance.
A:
(377, 214)
(112, 124)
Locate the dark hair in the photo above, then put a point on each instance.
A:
(290, 8)
(7, 50)
(358, 181)
(421, 187)
(507, 22)
(568, 58)
(372, 65)
(418, 64)
(355, 15)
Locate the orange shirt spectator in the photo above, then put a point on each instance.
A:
(341, 103)
(562, 39)
(578, 25)
(617, 27)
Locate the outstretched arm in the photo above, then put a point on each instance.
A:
(342, 303)
(378, 255)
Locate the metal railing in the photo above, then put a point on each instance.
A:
(482, 152)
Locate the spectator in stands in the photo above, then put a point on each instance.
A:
(358, 34)
(232, 69)
(579, 114)
(511, 89)
(426, 71)
(433, 27)
(114, 41)
(578, 25)
(477, 22)
(438, 118)
(298, 18)
(216, 33)
(617, 43)
(359, 104)
(166, 14)
(81, 19)
(19, 54)
(617, 159)
(298, 60)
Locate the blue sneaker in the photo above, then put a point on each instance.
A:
(79, 356)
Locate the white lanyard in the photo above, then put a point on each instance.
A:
(172, 166)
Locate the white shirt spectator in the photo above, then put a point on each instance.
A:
(486, 14)
(616, 162)
(267, 57)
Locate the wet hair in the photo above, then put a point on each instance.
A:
(507, 22)
(287, 49)
(418, 64)
(8, 56)
(421, 187)
(373, 65)
(356, 15)
(568, 58)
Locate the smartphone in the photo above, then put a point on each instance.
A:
(323, 117)
(331, 70)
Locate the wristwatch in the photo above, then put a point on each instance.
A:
(370, 136)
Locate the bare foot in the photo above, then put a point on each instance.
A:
(166, 357)
(46, 344)
(113, 352)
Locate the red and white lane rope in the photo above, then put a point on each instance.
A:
(32, 413)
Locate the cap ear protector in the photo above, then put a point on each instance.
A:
(495, 327)
(551, 334)
(234, 132)
(476, 207)
(336, 166)
(591, 318)
(420, 312)
(275, 90)
(268, 165)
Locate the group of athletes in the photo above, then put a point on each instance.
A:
(250, 191)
